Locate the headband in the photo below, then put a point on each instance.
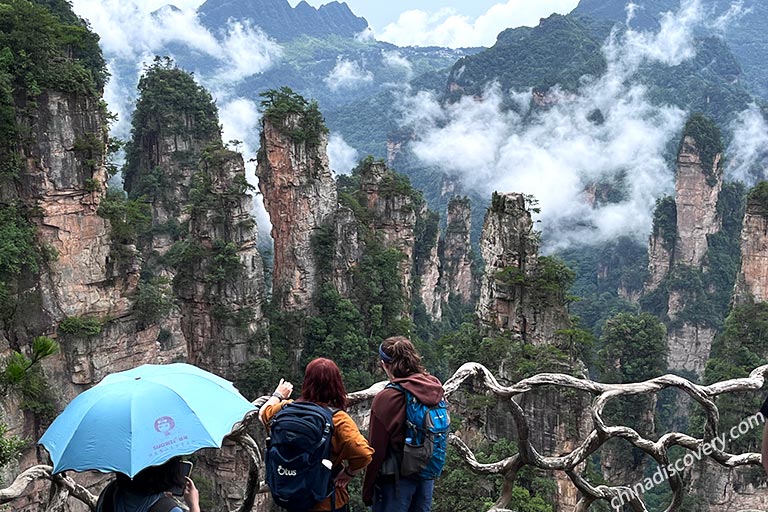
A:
(383, 355)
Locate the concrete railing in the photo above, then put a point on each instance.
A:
(64, 487)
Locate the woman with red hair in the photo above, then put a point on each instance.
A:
(350, 452)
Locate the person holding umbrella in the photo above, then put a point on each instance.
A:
(147, 491)
(137, 423)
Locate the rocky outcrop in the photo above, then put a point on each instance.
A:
(752, 279)
(457, 278)
(67, 184)
(512, 295)
(697, 187)
(689, 345)
(427, 262)
(392, 205)
(659, 262)
(222, 302)
(300, 197)
(347, 250)
(203, 237)
(682, 227)
(507, 241)
(515, 297)
(65, 178)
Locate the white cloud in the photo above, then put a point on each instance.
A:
(735, 12)
(240, 119)
(242, 50)
(116, 22)
(394, 59)
(671, 45)
(447, 27)
(341, 156)
(748, 152)
(558, 152)
(247, 51)
(347, 75)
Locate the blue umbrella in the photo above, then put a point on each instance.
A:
(142, 417)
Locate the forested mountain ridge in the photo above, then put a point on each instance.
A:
(745, 34)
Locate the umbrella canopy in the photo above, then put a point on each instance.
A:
(143, 417)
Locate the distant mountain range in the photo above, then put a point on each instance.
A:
(281, 21)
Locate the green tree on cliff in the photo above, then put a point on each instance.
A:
(21, 374)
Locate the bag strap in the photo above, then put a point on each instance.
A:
(107, 499)
(164, 504)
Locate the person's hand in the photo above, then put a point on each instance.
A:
(342, 479)
(285, 388)
(191, 495)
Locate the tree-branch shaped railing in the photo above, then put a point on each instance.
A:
(601, 432)
(65, 486)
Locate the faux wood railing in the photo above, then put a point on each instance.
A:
(65, 487)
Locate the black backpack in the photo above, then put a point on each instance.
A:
(299, 471)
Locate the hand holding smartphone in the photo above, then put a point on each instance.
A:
(185, 469)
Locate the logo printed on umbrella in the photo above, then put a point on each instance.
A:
(164, 425)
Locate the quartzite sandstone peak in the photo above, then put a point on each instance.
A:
(752, 280)
(300, 196)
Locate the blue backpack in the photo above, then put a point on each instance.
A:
(426, 436)
(298, 456)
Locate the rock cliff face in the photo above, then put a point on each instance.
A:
(697, 187)
(222, 303)
(690, 222)
(752, 280)
(300, 197)
(63, 178)
(659, 261)
(507, 240)
(347, 250)
(455, 252)
(427, 263)
(67, 185)
(394, 215)
(509, 300)
(203, 237)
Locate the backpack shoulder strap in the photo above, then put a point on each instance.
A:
(106, 502)
(394, 385)
(164, 504)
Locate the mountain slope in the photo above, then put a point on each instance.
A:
(281, 21)
(745, 33)
(564, 49)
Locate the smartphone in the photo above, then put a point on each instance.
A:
(185, 469)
